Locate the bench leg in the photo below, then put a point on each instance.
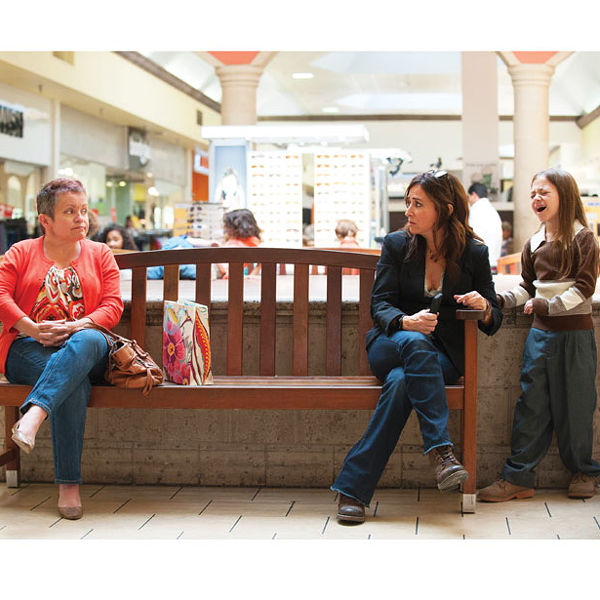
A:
(13, 466)
(12, 478)
(468, 503)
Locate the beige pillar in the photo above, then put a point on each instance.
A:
(531, 84)
(480, 120)
(238, 102)
(52, 169)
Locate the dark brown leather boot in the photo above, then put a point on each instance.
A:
(350, 510)
(449, 473)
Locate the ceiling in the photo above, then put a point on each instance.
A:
(378, 83)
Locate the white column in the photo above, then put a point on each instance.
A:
(480, 118)
(52, 169)
(239, 84)
(531, 135)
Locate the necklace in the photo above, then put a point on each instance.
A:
(432, 255)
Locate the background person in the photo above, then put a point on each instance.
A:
(507, 240)
(131, 224)
(94, 225)
(346, 231)
(241, 230)
(412, 351)
(485, 222)
(116, 237)
(559, 269)
(51, 287)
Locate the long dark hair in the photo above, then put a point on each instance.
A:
(240, 223)
(444, 190)
(128, 243)
(570, 208)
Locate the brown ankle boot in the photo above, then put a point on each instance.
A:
(582, 486)
(449, 473)
(350, 510)
(502, 491)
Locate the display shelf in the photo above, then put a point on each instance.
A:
(342, 191)
(275, 196)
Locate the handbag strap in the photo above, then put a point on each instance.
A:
(110, 336)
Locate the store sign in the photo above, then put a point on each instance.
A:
(201, 162)
(138, 150)
(11, 121)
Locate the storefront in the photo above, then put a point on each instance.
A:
(125, 170)
(25, 154)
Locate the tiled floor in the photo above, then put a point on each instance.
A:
(218, 513)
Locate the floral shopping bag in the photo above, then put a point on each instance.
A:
(186, 343)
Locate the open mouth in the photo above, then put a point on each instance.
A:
(539, 209)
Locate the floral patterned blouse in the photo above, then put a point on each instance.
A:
(60, 297)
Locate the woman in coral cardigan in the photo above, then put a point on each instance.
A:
(51, 288)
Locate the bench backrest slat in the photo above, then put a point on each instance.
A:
(268, 315)
(171, 283)
(300, 327)
(235, 318)
(334, 320)
(203, 285)
(138, 305)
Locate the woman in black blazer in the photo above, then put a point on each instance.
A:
(412, 350)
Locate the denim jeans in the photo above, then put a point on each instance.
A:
(558, 392)
(62, 378)
(413, 371)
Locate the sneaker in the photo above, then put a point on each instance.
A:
(350, 510)
(502, 490)
(449, 473)
(582, 486)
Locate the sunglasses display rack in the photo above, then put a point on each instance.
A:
(200, 219)
(275, 196)
(342, 191)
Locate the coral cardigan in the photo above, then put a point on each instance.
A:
(22, 273)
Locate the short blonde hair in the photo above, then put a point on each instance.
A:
(346, 227)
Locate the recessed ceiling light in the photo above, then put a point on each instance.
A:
(302, 75)
(330, 109)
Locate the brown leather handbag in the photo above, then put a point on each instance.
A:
(129, 365)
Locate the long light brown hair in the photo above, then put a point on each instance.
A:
(444, 190)
(565, 251)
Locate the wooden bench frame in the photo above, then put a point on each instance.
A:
(265, 390)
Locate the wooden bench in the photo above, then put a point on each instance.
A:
(264, 389)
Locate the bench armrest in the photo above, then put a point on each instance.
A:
(470, 315)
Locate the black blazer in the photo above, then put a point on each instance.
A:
(399, 289)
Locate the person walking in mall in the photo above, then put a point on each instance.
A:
(559, 269)
(413, 351)
(51, 288)
(485, 222)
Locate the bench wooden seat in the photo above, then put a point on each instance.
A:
(280, 392)
(265, 389)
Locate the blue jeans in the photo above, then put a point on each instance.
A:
(62, 378)
(558, 393)
(413, 371)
